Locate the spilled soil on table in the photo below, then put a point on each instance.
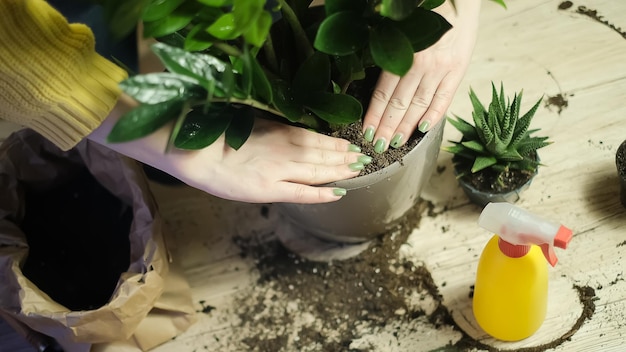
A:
(300, 305)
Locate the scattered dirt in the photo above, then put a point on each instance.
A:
(78, 238)
(583, 10)
(300, 305)
(620, 162)
(559, 101)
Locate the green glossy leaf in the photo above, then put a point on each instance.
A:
(207, 69)
(313, 75)
(285, 102)
(224, 27)
(335, 108)
(260, 82)
(257, 32)
(122, 16)
(175, 21)
(397, 9)
(390, 48)
(350, 68)
(158, 9)
(246, 12)
(201, 129)
(342, 33)
(423, 28)
(216, 3)
(198, 39)
(158, 87)
(143, 120)
(431, 4)
(240, 127)
(334, 6)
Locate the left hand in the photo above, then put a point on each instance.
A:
(422, 96)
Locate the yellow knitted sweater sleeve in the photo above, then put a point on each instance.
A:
(51, 78)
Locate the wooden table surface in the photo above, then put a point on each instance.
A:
(532, 45)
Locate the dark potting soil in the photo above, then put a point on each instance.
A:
(354, 134)
(78, 234)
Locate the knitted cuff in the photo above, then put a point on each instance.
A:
(51, 78)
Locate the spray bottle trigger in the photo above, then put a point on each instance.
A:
(561, 240)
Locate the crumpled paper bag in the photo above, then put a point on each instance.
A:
(152, 301)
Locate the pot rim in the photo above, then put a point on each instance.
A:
(374, 177)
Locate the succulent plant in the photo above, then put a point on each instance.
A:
(499, 140)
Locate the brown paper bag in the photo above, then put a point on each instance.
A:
(151, 303)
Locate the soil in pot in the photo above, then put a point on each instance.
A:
(486, 180)
(78, 234)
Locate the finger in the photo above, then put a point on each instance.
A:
(385, 87)
(303, 194)
(326, 157)
(396, 111)
(313, 140)
(315, 174)
(440, 103)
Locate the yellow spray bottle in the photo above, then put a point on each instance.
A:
(511, 289)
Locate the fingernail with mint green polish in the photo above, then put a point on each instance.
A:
(365, 159)
(354, 148)
(423, 127)
(369, 134)
(396, 141)
(358, 166)
(379, 147)
(340, 192)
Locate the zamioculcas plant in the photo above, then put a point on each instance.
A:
(499, 143)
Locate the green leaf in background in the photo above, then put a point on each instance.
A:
(431, 4)
(240, 126)
(198, 39)
(224, 27)
(161, 86)
(335, 108)
(178, 19)
(260, 82)
(257, 32)
(143, 120)
(313, 75)
(216, 3)
(423, 28)
(201, 129)
(501, 2)
(334, 6)
(350, 68)
(122, 16)
(158, 9)
(342, 33)
(391, 49)
(397, 9)
(246, 12)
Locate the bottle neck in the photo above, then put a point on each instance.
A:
(512, 250)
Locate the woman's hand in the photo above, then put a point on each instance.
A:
(422, 96)
(278, 163)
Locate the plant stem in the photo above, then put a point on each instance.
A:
(228, 49)
(270, 53)
(300, 36)
(250, 102)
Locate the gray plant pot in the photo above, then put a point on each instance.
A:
(374, 203)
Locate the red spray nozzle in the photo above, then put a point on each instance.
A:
(518, 227)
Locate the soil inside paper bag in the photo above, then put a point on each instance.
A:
(78, 234)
